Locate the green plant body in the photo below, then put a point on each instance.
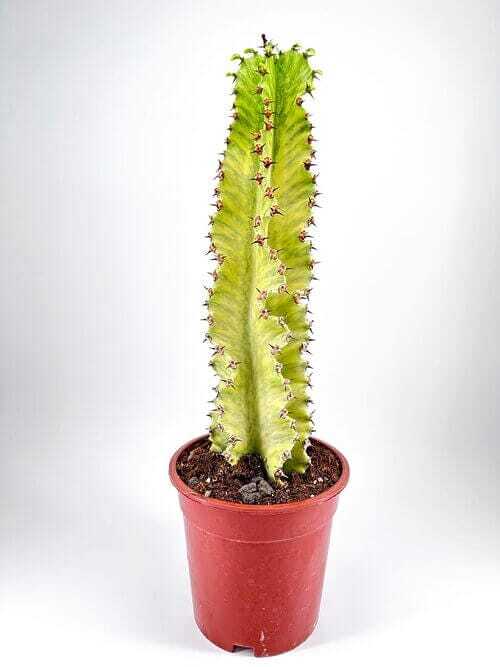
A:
(259, 235)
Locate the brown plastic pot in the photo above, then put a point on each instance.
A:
(257, 570)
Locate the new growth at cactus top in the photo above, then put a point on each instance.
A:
(260, 240)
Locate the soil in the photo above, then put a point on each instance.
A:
(209, 474)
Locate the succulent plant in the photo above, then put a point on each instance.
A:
(259, 238)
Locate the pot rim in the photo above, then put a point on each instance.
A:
(293, 506)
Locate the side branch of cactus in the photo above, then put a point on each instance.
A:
(260, 242)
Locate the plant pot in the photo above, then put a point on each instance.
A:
(257, 570)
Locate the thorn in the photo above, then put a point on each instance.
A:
(269, 192)
(283, 413)
(259, 240)
(303, 236)
(257, 221)
(268, 113)
(308, 164)
(264, 314)
(299, 101)
(258, 177)
(274, 210)
(262, 294)
(274, 349)
(233, 364)
(269, 126)
(259, 90)
(258, 149)
(267, 101)
(256, 135)
(282, 289)
(282, 269)
(267, 162)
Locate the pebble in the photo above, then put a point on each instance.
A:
(193, 481)
(208, 494)
(265, 488)
(249, 493)
(251, 487)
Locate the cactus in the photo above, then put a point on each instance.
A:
(260, 241)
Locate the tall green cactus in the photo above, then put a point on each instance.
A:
(259, 237)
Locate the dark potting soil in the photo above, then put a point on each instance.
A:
(209, 474)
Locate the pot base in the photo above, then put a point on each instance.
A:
(261, 649)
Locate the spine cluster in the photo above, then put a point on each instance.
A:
(260, 241)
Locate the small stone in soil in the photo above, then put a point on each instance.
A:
(193, 481)
(251, 487)
(265, 488)
(249, 493)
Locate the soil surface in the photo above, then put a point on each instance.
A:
(209, 474)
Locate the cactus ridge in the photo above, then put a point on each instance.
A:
(260, 241)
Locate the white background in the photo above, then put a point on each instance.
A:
(112, 115)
